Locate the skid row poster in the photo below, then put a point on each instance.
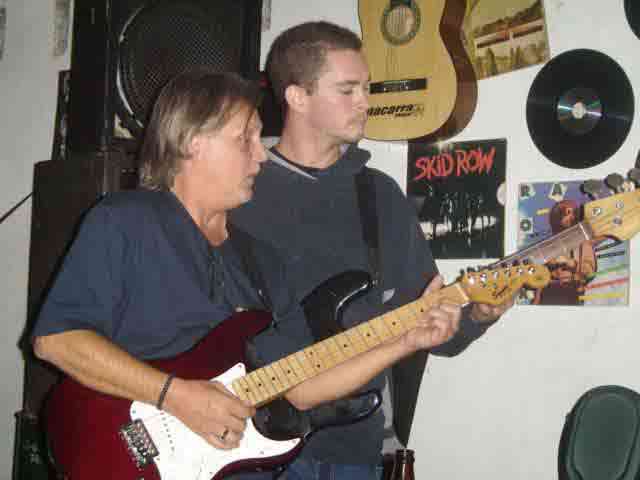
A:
(584, 270)
(458, 190)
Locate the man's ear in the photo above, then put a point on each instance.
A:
(296, 97)
(193, 149)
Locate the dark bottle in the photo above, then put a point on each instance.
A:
(403, 465)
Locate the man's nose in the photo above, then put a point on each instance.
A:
(362, 101)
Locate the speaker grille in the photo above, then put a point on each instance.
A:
(167, 38)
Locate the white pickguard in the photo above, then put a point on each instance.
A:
(184, 454)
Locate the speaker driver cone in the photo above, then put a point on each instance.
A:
(166, 38)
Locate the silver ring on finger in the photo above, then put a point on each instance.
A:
(224, 434)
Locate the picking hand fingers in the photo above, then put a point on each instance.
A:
(226, 440)
(235, 406)
(235, 411)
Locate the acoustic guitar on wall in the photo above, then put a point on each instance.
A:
(423, 86)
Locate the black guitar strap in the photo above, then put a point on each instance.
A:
(369, 220)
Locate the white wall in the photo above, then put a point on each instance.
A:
(497, 410)
(494, 412)
(28, 89)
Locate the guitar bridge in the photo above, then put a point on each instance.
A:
(139, 443)
(390, 86)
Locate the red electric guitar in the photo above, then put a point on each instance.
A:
(100, 437)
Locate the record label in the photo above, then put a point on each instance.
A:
(580, 108)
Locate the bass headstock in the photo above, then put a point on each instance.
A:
(617, 215)
(496, 286)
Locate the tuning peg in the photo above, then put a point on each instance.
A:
(592, 188)
(615, 182)
(634, 175)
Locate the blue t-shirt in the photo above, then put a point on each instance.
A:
(141, 273)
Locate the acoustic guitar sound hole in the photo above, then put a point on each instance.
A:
(400, 23)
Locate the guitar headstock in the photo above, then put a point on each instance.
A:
(617, 215)
(496, 286)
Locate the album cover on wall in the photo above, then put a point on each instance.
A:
(504, 35)
(585, 272)
(458, 189)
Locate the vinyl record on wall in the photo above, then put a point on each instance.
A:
(632, 10)
(580, 108)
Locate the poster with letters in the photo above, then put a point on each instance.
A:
(596, 272)
(458, 189)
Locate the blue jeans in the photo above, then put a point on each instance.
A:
(313, 470)
(252, 476)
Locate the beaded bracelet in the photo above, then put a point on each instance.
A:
(163, 392)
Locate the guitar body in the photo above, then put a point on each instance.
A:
(422, 82)
(84, 428)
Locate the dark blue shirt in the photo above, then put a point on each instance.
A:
(141, 273)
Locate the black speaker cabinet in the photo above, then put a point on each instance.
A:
(124, 51)
(63, 191)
